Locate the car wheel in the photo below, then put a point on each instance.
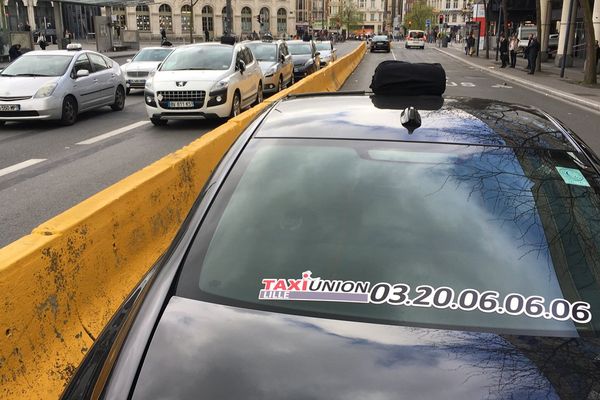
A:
(259, 94)
(69, 111)
(158, 121)
(119, 103)
(236, 105)
(128, 91)
(280, 84)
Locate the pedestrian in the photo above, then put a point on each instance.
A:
(118, 29)
(14, 52)
(534, 49)
(513, 45)
(503, 47)
(42, 42)
(470, 45)
(526, 51)
(206, 35)
(27, 27)
(163, 35)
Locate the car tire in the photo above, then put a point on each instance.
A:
(69, 111)
(127, 91)
(236, 105)
(119, 103)
(259, 94)
(159, 121)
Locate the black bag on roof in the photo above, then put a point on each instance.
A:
(402, 78)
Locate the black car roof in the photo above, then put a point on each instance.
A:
(444, 120)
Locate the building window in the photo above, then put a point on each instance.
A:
(186, 17)
(265, 25)
(142, 17)
(455, 4)
(447, 4)
(362, 3)
(372, 3)
(165, 17)
(281, 21)
(120, 21)
(246, 20)
(207, 19)
(372, 16)
(453, 17)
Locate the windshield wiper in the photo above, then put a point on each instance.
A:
(31, 75)
(6, 75)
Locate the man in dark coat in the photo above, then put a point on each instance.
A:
(534, 49)
(526, 51)
(470, 44)
(14, 52)
(503, 47)
(206, 35)
(163, 35)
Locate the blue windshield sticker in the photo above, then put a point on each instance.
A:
(572, 176)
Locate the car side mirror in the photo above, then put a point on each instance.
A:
(241, 66)
(128, 60)
(82, 72)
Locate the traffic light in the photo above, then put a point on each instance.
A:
(441, 19)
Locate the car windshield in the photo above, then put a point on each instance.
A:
(324, 46)
(199, 58)
(436, 235)
(263, 51)
(299, 48)
(152, 55)
(38, 65)
(380, 38)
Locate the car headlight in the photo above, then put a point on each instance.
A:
(46, 90)
(271, 71)
(220, 86)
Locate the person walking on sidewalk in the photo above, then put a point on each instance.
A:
(513, 45)
(503, 47)
(470, 44)
(526, 52)
(14, 52)
(534, 49)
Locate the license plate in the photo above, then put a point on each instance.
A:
(181, 104)
(137, 81)
(10, 107)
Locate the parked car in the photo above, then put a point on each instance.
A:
(136, 69)
(415, 38)
(376, 245)
(204, 80)
(328, 53)
(380, 42)
(305, 56)
(59, 85)
(275, 62)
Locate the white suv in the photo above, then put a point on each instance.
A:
(205, 80)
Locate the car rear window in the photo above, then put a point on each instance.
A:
(380, 39)
(416, 35)
(437, 235)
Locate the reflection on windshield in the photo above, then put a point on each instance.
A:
(324, 46)
(152, 55)
(299, 49)
(199, 58)
(38, 65)
(468, 218)
(264, 52)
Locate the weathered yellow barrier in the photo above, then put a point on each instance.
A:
(61, 284)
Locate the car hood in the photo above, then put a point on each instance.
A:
(190, 76)
(140, 66)
(22, 85)
(265, 65)
(300, 59)
(225, 352)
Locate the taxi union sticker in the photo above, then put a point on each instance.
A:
(309, 288)
(572, 176)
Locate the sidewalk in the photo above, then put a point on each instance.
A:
(547, 82)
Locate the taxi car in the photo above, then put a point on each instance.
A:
(374, 245)
(59, 85)
(137, 69)
(275, 62)
(306, 57)
(203, 80)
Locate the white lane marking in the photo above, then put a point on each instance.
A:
(467, 84)
(451, 84)
(22, 165)
(393, 55)
(113, 133)
(505, 86)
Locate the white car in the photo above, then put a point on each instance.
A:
(328, 52)
(136, 70)
(415, 38)
(59, 84)
(275, 62)
(204, 80)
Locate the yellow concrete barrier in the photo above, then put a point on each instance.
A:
(61, 284)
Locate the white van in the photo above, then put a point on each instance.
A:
(523, 33)
(415, 38)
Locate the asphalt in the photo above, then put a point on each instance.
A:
(547, 81)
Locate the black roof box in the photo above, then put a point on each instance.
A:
(402, 78)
